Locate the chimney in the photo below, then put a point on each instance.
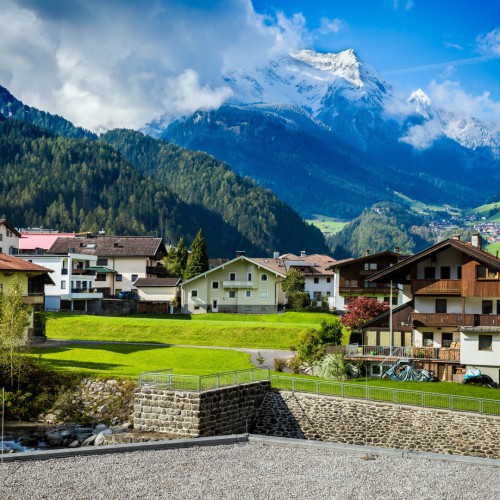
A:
(477, 241)
(368, 251)
(240, 253)
(456, 237)
(396, 249)
(302, 253)
(276, 257)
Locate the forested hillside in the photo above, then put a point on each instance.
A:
(13, 108)
(86, 185)
(382, 227)
(198, 178)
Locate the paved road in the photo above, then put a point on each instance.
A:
(268, 354)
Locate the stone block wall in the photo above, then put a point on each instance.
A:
(228, 410)
(326, 418)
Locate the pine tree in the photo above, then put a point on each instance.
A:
(198, 259)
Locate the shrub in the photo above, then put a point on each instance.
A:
(332, 367)
(330, 332)
(260, 359)
(298, 300)
(309, 346)
(294, 364)
(279, 364)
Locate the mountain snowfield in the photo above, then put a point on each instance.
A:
(330, 136)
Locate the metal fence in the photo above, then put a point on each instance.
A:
(167, 380)
(175, 382)
(388, 395)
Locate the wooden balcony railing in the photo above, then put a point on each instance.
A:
(445, 319)
(409, 352)
(436, 287)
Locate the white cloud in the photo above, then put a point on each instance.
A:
(489, 44)
(407, 5)
(451, 97)
(423, 136)
(331, 25)
(114, 64)
(451, 45)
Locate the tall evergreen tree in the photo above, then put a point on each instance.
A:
(198, 259)
(176, 260)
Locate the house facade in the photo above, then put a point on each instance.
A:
(352, 278)
(74, 281)
(158, 289)
(242, 285)
(30, 277)
(9, 238)
(120, 260)
(452, 294)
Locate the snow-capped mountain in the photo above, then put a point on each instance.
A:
(316, 127)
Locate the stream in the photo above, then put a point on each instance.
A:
(23, 436)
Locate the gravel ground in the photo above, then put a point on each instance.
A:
(246, 471)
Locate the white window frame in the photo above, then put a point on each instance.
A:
(216, 283)
(263, 294)
(248, 294)
(231, 278)
(249, 276)
(229, 294)
(195, 292)
(264, 277)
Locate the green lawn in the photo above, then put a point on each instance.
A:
(124, 361)
(493, 248)
(327, 225)
(272, 331)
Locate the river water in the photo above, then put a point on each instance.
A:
(22, 436)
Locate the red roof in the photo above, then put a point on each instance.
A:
(10, 263)
(30, 241)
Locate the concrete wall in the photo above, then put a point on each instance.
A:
(327, 418)
(188, 414)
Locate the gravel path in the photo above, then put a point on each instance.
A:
(246, 471)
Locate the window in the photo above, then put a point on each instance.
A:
(134, 277)
(196, 308)
(232, 294)
(102, 262)
(370, 266)
(487, 307)
(248, 294)
(119, 277)
(459, 272)
(446, 339)
(445, 272)
(317, 295)
(232, 276)
(194, 293)
(428, 339)
(263, 277)
(485, 273)
(429, 273)
(328, 294)
(215, 285)
(63, 285)
(1, 237)
(263, 294)
(1, 250)
(441, 305)
(249, 276)
(100, 277)
(316, 280)
(498, 306)
(485, 342)
(328, 280)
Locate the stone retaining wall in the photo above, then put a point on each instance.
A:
(326, 418)
(229, 410)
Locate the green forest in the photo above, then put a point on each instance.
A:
(84, 184)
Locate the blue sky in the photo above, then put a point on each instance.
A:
(118, 63)
(410, 42)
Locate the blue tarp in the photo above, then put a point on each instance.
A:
(406, 373)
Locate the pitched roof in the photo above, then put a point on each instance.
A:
(315, 264)
(145, 282)
(8, 225)
(371, 256)
(258, 262)
(110, 246)
(10, 263)
(30, 241)
(467, 248)
(217, 262)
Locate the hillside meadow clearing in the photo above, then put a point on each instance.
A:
(270, 331)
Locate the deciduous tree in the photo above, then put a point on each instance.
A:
(361, 310)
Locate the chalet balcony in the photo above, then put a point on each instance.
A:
(436, 287)
(156, 270)
(237, 284)
(406, 352)
(33, 299)
(453, 320)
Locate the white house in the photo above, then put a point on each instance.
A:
(158, 289)
(242, 285)
(9, 238)
(74, 280)
(480, 348)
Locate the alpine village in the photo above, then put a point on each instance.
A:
(294, 253)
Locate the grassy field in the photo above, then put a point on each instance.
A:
(125, 361)
(493, 248)
(272, 331)
(327, 225)
(484, 211)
